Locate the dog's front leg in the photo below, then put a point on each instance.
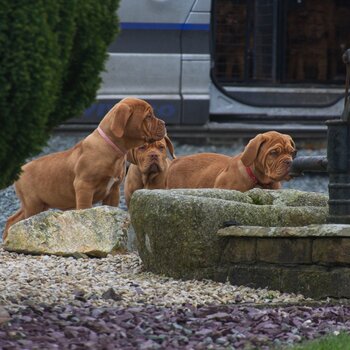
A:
(84, 193)
(113, 197)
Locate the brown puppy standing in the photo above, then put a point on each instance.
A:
(93, 169)
(265, 161)
(148, 168)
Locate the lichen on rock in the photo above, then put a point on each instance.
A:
(290, 198)
(94, 232)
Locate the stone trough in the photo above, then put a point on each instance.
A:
(261, 238)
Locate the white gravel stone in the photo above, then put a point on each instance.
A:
(28, 279)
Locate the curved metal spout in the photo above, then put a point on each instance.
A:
(308, 164)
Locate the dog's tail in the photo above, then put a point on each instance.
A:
(18, 216)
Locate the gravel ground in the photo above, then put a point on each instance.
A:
(185, 327)
(113, 281)
(49, 302)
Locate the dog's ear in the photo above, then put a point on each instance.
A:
(170, 146)
(131, 156)
(252, 149)
(292, 142)
(120, 116)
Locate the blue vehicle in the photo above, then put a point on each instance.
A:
(229, 64)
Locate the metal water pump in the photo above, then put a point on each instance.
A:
(337, 162)
(338, 155)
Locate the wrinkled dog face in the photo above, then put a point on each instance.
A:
(276, 156)
(272, 154)
(153, 127)
(151, 157)
(135, 118)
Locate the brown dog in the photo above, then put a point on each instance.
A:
(265, 161)
(148, 168)
(92, 170)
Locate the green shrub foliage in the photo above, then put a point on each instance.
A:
(51, 55)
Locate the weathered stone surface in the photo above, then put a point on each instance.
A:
(256, 276)
(95, 232)
(218, 274)
(284, 250)
(294, 198)
(312, 281)
(239, 249)
(331, 251)
(326, 230)
(176, 229)
(343, 282)
(131, 243)
(258, 196)
(316, 281)
(229, 195)
(176, 234)
(291, 198)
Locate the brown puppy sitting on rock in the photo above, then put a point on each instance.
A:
(265, 161)
(93, 169)
(148, 168)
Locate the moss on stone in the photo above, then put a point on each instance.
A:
(290, 198)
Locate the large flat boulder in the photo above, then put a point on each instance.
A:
(93, 232)
(176, 230)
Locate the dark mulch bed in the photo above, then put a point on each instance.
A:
(151, 327)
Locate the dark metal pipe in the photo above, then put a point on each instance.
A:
(339, 171)
(337, 162)
(308, 164)
(338, 154)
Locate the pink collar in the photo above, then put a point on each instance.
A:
(251, 175)
(110, 142)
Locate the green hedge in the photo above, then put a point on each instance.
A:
(51, 55)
